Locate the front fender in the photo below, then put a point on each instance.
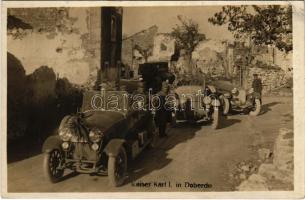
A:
(113, 147)
(52, 142)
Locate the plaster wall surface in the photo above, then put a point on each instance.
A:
(67, 41)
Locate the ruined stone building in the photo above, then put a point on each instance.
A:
(52, 54)
(146, 46)
(137, 48)
(164, 48)
(74, 42)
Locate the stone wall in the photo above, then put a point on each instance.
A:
(272, 79)
(277, 175)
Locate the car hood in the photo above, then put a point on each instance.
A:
(103, 120)
(224, 86)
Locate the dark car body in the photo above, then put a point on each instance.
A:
(154, 73)
(99, 140)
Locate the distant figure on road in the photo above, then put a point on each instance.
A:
(257, 84)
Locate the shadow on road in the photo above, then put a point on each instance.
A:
(157, 158)
(69, 175)
(22, 149)
(228, 122)
(264, 109)
(267, 107)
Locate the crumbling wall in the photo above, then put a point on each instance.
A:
(51, 52)
(208, 58)
(144, 39)
(64, 39)
(164, 48)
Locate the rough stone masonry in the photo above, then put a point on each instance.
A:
(279, 172)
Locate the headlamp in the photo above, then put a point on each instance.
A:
(95, 135)
(234, 91)
(94, 146)
(65, 134)
(65, 145)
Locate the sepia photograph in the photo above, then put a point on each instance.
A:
(172, 98)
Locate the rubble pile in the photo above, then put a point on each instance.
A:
(243, 170)
(275, 175)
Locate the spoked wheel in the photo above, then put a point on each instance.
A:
(256, 108)
(52, 165)
(226, 106)
(117, 167)
(215, 118)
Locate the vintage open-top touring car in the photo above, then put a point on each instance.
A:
(239, 99)
(98, 140)
(197, 101)
(246, 101)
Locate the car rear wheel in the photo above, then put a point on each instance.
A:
(117, 167)
(256, 108)
(215, 118)
(52, 165)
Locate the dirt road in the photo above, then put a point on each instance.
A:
(193, 154)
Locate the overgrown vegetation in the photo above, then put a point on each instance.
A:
(187, 36)
(264, 25)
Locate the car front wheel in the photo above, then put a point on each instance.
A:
(52, 165)
(256, 108)
(117, 167)
(215, 118)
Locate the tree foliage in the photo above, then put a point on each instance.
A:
(187, 34)
(265, 25)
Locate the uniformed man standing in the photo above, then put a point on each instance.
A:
(257, 84)
(162, 114)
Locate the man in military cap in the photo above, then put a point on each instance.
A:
(257, 84)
